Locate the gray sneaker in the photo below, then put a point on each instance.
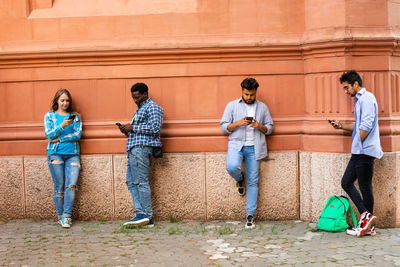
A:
(65, 222)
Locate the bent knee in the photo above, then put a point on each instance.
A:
(232, 168)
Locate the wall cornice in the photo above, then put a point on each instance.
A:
(259, 51)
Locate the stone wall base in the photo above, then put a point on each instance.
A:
(196, 186)
(320, 178)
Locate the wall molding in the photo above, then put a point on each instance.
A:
(59, 57)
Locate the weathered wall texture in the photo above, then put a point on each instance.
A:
(193, 54)
(184, 185)
(320, 178)
(196, 186)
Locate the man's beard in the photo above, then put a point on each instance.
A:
(249, 101)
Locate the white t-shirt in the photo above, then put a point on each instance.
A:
(250, 112)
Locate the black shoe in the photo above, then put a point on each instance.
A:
(150, 224)
(250, 224)
(241, 188)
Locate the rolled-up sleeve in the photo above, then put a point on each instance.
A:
(227, 119)
(268, 122)
(367, 116)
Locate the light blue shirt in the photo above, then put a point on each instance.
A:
(366, 115)
(235, 111)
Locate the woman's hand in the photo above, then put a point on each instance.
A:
(56, 140)
(66, 122)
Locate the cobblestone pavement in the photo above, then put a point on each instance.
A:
(188, 243)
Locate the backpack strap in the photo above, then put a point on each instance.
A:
(353, 216)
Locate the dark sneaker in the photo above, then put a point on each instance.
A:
(240, 188)
(367, 224)
(139, 220)
(150, 224)
(250, 224)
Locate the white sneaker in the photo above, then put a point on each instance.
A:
(367, 224)
(354, 231)
(65, 222)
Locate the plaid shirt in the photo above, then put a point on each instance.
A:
(146, 122)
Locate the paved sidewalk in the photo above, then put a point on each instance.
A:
(187, 243)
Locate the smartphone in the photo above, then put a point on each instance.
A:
(249, 118)
(71, 117)
(332, 122)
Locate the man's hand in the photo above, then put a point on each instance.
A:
(241, 122)
(336, 124)
(125, 128)
(255, 124)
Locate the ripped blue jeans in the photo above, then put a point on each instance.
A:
(64, 170)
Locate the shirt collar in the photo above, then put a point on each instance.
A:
(240, 100)
(144, 102)
(359, 94)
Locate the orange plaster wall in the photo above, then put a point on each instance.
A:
(193, 59)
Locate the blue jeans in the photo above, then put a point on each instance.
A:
(234, 168)
(137, 179)
(64, 170)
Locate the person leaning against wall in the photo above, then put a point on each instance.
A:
(143, 142)
(365, 148)
(247, 121)
(63, 128)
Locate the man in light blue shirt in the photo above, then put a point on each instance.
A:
(247, 121)
(365, 148)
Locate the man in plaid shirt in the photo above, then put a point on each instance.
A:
(143, 137)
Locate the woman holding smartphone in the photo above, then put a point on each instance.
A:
(63, 128)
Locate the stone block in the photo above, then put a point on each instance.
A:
(94, 198)
(223, 202)
(321, 175)
(386, 187)
(12, 200)
(277, 174)
(320, 178)
(278, 194)
(39, 189)
(178, 186)
(122, 196)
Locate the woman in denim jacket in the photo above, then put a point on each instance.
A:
(63, 128)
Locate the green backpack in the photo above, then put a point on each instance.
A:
(333, 216)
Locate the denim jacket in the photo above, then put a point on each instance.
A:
(52, 131)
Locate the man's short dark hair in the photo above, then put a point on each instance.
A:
(141, 87)
(249, 84)
(351, 77)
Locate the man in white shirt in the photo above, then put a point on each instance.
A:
(247, 121)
